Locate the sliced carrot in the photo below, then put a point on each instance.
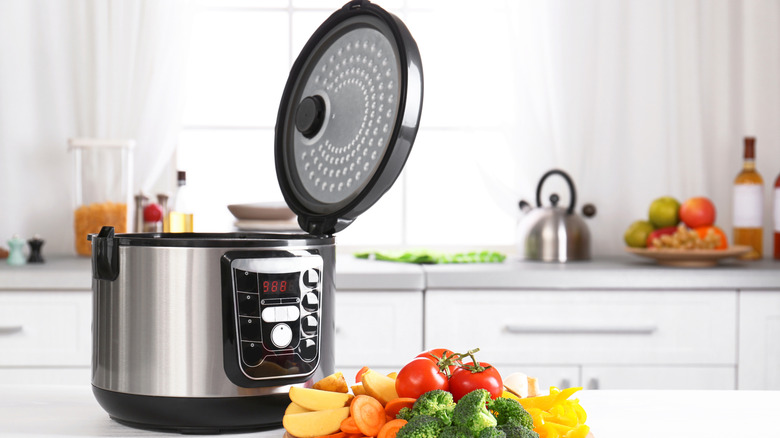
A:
(349, 426)
(368, 413)
(393, 406)
(391, 428)
(334, 435)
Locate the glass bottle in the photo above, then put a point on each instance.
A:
(180, 219)
(777, 218)
(748, 204)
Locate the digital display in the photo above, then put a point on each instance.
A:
(279, 284)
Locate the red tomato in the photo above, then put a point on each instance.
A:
(463, 381)
(418, 377)
(436, 354)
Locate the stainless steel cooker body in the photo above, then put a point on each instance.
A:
(163, 356)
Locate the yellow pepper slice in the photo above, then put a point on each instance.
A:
(580, 431)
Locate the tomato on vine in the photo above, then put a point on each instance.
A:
(442, 356)
(473, 376)
(420, 376)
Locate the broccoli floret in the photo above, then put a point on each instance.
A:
(510, 412)
(453, 431)
(421, 426)
(517, 432)
(404, 414)
(491, 432)
(471, 412)
(437, 404)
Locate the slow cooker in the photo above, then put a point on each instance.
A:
(206, 332)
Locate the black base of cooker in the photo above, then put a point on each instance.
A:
(194, 415)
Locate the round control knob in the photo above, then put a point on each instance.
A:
(311, 302)
(309, 325)
(311, 277)
(308, 350)
(281, 335)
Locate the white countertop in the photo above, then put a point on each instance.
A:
(623, 272)
(75, 273)
(626, 272)
(71, 411)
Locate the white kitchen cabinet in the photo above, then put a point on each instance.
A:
(45, 335)
(759, 340)
(45, 328)
(635, 330)
(380, 329)
(659, 377)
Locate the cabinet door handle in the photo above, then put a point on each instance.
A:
(593, 383)
(10, 329)
(563, 329)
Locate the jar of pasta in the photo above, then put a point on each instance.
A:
(102, 187)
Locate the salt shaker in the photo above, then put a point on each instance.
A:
(15, 256)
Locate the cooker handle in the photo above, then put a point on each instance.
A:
(105, 255)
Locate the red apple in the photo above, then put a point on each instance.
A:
(658, 233)
(697, 212)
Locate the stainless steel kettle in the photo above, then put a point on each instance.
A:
(554, 234)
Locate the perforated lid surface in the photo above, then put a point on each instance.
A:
(348, 117)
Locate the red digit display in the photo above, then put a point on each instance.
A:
(275, 284)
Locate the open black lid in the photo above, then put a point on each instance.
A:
(348, 117)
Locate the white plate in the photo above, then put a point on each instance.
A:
(689, 258)
(267, 211)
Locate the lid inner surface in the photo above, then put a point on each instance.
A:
(357, 76)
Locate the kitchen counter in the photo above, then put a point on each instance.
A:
(626, 272)
(75, 273)
(28, 411)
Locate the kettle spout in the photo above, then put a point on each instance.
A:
(525, 207)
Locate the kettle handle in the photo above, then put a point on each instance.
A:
(565, 176)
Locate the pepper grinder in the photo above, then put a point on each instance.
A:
(15, 256)
(36, 243)
(140, 202)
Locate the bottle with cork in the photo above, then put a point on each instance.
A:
(748, 212)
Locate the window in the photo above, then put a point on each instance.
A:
(241, 53)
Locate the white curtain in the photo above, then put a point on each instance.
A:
(129, 59)
(637, 100)
(82, 68)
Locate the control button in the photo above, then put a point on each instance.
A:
(311, 277)
(281, 335)
(311, 302)
(269, 314)
(246, 281)
(248, 304)
(251, 328)
(281, 314)
(309, 324)
(269, 301)
(308, 350)
(252, 353)
(293, 313)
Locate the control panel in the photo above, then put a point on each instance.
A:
(275, 299)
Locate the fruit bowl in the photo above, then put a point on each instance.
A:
(689, 258)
